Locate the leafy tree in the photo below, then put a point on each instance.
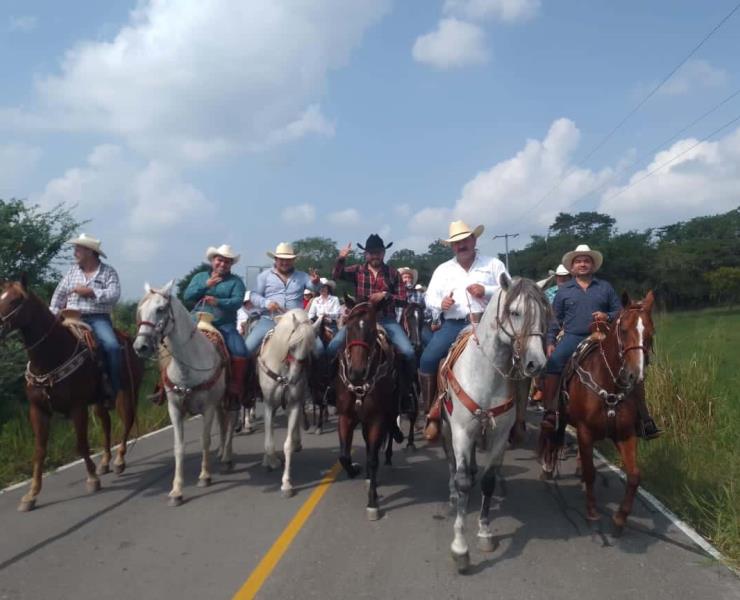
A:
(316, 253)
(183, 283)
(725, 284)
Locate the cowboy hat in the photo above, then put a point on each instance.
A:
(420, 288)
(307, 292)
(414, 273)
(283, 250)
(583, 250)
(223, 250)
(87, 241)
(561, 271)
(459, 230)
(328, 282)
(374, 243)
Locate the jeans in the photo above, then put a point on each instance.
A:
(563, 351)
(234, 342)
(102, 327)
(439, 345)
(395, 332)
(261, 329)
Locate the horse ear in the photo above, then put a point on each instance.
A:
(504, 281)
(648, 300)
(147, 288)
(543, 284)
(317, 325)
(295, 320)
(349, 301)
(626, 299)
(24, 281)
(167, 289)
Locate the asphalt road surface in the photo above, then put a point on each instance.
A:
(125, 542)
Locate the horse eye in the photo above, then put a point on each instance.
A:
(515, 313)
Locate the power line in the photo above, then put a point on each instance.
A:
(637, 107)
(506, 237)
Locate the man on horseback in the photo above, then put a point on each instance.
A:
(579, 302)
(374, 279)
(221, 293)
(459, 290)
(92, 287)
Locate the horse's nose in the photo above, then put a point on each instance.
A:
(141, 348)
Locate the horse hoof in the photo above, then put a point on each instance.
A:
(297, 447)
(92, 486)
(174, 501)
(486, 543)
(373, 514)
(119, 469)
(617, 529)
(462, 562)
(545, 475)
(248, 429)
(318, 431)
(103, 469)
(27, 505)
(287, 493)
(204, 482)
(227, 467)
(410, 447)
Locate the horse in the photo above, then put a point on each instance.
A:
(365, 387)
(412, 320)
(63, 376)
(478, 377)
(597, 399)
(282, 367)
(322, 391)
(193, 374)
(252, 393)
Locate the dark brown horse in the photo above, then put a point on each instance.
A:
(365, 394)
(599, 400)
(412, 321)
(63, 377)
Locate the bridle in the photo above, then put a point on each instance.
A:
(416, 308)
(7, 326)
(159, 330)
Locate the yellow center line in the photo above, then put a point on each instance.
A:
(275, 553)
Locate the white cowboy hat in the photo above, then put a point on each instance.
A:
(307, 292)
(223, 250)
(420, 288)
(459, 230)
(562, 271)
(87, 241)
(283, 250)
(583, 250)
(414, 273)
(324, 281)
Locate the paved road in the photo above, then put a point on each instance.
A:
(124, 542)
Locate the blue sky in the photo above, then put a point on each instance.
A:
(173, 126)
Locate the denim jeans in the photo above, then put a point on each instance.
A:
(234, 342)
(563, 351)
(397, 335)
(261, 329)
(439, 345)
(102, 327)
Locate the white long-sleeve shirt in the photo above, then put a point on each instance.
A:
(451, 277)
(320, 307)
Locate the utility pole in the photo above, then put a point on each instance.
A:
(506, 237)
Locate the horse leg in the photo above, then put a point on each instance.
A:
(289, 447)
(485, 535)
(226, 424)
(628, 451)
(346, 428)
(104, 416)
(40, 425)
(586, 450)
(79, 419)
(127, 413)
(463, 448)
(450, 454)
(374, 440)
(410, 445)
(270, 461)
(295, 435)
(209, 412)
(176, 418)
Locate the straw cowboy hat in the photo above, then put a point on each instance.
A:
(283, 250)
(459, 230)
(583, 250)
(374, 243)
(307, 292)
(414, 274)
(87, 241)
(223, 250)
(561, 271)
(324, 281)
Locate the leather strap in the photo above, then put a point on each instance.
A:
(471, 404)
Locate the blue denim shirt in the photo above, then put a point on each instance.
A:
(271, 288)
(573, 306)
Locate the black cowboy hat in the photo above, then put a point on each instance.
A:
(374, 243)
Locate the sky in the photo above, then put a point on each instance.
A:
(172, 126)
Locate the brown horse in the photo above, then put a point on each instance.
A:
(62, 376)
(365, 387)
(412, 321)
(599, 400)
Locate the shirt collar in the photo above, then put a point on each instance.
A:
(574, 283)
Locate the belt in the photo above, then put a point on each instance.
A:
(470, 318)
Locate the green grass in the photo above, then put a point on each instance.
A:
(692, 389)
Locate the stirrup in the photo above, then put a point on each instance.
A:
(648, 430)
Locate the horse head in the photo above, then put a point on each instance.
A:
(522, 317)
(153, 319)
(13, 296)
(634, 331)
(413, 321)
(295, 333)
(361, 341)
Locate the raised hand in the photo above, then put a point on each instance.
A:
(448, 302)
(344, 252)
(214, 280)
(314, 275)
(210, 300)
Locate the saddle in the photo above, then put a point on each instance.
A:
(449, 361)
(72, 320)
(598, 331)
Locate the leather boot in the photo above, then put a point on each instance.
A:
(550, 388)
(430, 401)
(538, 394)
(646, 427)
(235, 391)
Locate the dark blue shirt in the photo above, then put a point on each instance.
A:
(573, 306)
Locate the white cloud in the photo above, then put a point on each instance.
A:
(453, 44)
(17, 162)
(402, 210)
(23, 24)
(508, 11)
(346, 218)
(301, 214)
(193, 79)
(695, 74)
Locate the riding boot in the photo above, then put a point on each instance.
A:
(405, 384)
(235, 391)
(430, 400)
(646, 427)
(550, 389)
(108, 394)
(538, 394)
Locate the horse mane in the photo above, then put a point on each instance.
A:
(530, 291)
(284, 335)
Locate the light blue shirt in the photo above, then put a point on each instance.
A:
(271, 288)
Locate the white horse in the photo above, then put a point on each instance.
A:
(195, 379)
(506, 344)
(283, 375)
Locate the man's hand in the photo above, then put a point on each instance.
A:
(377, 297)
(599, 316)
(435, 326)
(214, 280)
(83, 291)
(447, 302)
(274, 307)
(476, 290)
(248, 305)
(314, 275)
(550, 350)
(241, 328)
(344, 252)
(210, 300)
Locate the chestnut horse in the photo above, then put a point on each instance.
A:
(366, 394)
(599, 401)
(62, 376)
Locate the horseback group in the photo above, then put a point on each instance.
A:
(463, 353)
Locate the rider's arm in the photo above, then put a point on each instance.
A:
(397, 288)
(236, 295)
(558, 310)
(497, 268)
(257, 295)
(343, 272)
(110, 290)
(434, 293)
(196, 288)
(59, 299)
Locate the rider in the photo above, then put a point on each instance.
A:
(92, 287)
(460, 290)
(562, 275)
(577, 304)
(414, 295)
(326, 304)
(277, 290)
(221, 293)
(375, 280)
(308, 297)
